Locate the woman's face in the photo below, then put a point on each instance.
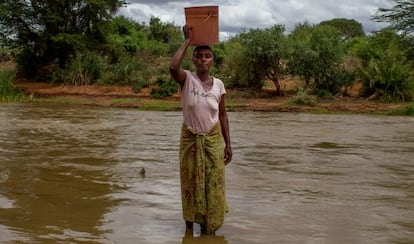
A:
(202, 60)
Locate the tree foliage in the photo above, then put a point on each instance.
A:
(51, 30)
(302, 57)
(82, 42)
(317, 54)
(348, 27)
(162, 32)
(127, 34)
(401, 19)
(233, 64)
(386, 69)
(260, 58)
(401, 16)
(391, 75)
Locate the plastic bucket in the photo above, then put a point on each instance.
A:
(204, 23)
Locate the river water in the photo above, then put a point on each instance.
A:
(74, 174)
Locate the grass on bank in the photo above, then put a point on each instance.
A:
(404, 110)
(9, 93)
(65, 100)
(236, 104)
(303, 98)
(140, 104)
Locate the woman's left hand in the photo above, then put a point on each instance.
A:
(228, 154)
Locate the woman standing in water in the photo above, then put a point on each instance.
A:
(202, 153)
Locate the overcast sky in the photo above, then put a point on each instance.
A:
(238, 15)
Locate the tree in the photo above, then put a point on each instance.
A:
(262, 52)
(316, 53)
(302, 58)
(234, 71)
(165, 33)
(391, 76)
(127, 34)
(162, 32)
(348, 27)
(50, 30)
(386, 70)
(401, 16)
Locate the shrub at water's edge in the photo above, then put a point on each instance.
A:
(404, 110)
(9, 93)
(303, 97)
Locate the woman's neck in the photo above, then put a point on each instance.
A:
(203, 76)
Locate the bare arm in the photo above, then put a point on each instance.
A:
(224, 123)
(178, 73)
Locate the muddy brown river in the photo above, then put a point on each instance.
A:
(74, 174)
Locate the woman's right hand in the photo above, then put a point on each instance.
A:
(187, 31)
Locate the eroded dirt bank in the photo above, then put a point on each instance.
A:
(124, 96)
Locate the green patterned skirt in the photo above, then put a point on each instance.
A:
(202, 177)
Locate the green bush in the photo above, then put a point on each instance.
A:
(138, 85)
(323, 93)
(390, 76)
(303, 97)
(409, 110)
(9, 93)
(405, 110)
(129, 70)
(335, 80)
(316, 53)
(85, 69)
(165, 88)
(386, 70)
(27, 63)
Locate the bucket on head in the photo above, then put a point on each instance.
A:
(204, 23)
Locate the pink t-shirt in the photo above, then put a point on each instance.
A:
(201, 104)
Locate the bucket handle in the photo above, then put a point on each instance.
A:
(205, 20)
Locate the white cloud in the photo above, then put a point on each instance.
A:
(238, 15)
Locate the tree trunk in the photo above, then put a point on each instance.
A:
(277, 85)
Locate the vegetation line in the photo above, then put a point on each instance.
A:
(323, 60)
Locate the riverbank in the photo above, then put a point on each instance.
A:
(124, 96)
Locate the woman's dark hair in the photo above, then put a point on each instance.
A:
(202, 48)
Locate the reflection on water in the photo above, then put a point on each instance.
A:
(74, 175)
(189, 238)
